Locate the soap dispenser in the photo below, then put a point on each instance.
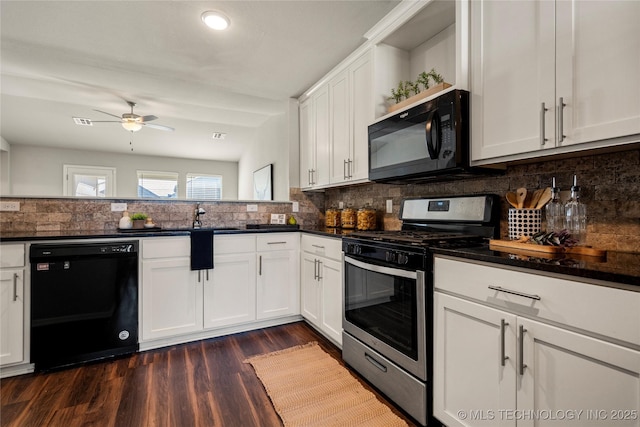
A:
(554, 210)
(576, 214)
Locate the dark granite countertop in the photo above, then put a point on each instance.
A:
(27, 236)
(620, 269)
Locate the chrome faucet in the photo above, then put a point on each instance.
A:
(199, 211)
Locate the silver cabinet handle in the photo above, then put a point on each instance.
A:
(207, 271)
(521, 350)
(319, 270)
(561, 106)
(315, 269)
(375, 363)
(15, 286)
(318, 246)
(503, 358)
(260, 265)
(313, 178)
(309, 176)
(276, 243)
(344, 169)
(543, 138)
(199, 271)
(350, 174)
(508, 291)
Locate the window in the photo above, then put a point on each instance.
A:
(157, 185)
(88, 181)
(204, 187)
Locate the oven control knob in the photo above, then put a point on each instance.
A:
(403, 258)
(390, 256)
(353, 248)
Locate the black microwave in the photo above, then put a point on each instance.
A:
(427, 142)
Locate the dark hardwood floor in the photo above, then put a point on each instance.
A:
(204, 383)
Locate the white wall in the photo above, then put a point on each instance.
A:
(5, 167)
(271, 146)
(37, 171)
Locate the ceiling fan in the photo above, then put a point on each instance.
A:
(133, 122)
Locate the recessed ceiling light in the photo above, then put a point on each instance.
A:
(216, 20)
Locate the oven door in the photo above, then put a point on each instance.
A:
(384, 307)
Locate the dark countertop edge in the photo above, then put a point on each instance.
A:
(596, 277)
(54, 235)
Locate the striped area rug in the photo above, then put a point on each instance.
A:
(309, 388)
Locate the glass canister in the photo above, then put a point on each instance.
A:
(366, 218)
(332, 217)
(349, 218)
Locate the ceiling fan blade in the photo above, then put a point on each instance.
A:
(106, 121)
(148, 118)
(108, 114)
(159, 127)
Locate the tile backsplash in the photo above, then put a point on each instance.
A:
(610, 186)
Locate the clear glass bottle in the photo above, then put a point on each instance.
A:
(576, 214)
(554, 210)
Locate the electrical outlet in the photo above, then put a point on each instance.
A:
(340, 205)
(295, 207)
(389, 206)
(118, 207)
(252, 208)
(9, 206)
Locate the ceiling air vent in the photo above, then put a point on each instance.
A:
(219, 135)
(82, 122)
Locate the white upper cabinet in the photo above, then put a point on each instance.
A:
(547, 75)
(351, 113)
(314, 139)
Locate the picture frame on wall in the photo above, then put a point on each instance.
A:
(263, 183)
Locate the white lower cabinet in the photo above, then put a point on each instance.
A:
(171, 292)
(321, 285)
(12, 287)
(230, 295)
(255, 277)
(504, 367)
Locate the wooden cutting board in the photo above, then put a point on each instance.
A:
(506, 245)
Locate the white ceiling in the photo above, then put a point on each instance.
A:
(64, 59)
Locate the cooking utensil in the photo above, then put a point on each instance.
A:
(512, 199)
(521, 195)
(544, 198)
(535, 198)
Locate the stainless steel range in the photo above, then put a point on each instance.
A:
(388, 293)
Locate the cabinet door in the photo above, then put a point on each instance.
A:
(171, 298)
(12, 312)
(278, 289)
(340, 128)
(310, 289)
(331, 298)
(362, 114)
(468, 363)
(566, 371)
(230, 292)
(512, 58)
(307, 143)
(598, 64)
(322, 136)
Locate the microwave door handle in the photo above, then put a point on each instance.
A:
(433, 143)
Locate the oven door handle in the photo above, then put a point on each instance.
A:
(380, 269)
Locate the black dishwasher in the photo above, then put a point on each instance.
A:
(84, 302)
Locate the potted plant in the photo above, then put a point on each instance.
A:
(421, 88)
(138, 220)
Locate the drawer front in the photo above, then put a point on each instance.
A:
(12, 255)
(166, 247)
(278, 242)
(234, 244)
(609, 312)
(322, 246)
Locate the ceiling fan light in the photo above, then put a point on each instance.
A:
(131, 126)
(215, 20)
